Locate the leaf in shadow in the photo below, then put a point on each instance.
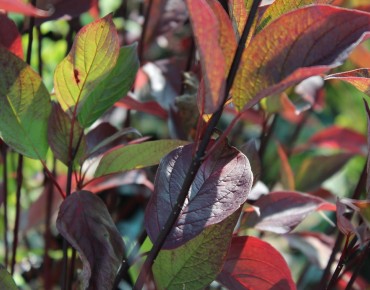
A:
(220, 187)
(10, 36)
(84, 221)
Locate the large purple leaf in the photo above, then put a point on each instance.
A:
(220, 187)
(280, 212)
(84, 221)
(254, 264)
(305, 42)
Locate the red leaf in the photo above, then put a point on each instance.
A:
(281, 211)
(287, 176)
(9, 36)
(254, 264)
(360, 78)
(302, 43)
(150, 107)
(339, 138)
(220, 187)
(368, 150)
(84, 221)
(18, 6)
(207, 33)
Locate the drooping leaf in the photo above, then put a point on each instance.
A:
(59, 136)
(84, 221)
(24, 107)
(135, 156)
(335, 137)
(18, 6)
(114, 87)
(9, 36)
(6, 280)
(93, 55)
(281, 211)
(291, 50)
(315, 170)
(197, 263)
(280, 7)
(360, 78)
(220, 187)
(206, 29)
(254, 264)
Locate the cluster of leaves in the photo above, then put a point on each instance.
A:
(214, 213)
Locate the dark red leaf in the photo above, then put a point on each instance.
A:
(281, 211)
(368, 148)
(254, 264)
(286, 173)
(339, 138)
(150, 107)
(9, 36)
(220, 187)
(84, 221)
(285, 53)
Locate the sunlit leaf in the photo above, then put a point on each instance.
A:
(238, 10)
(114, 87)
(135, 156)
(197, 263)
(360, 78)
(24, 107)
(84, 221)
(59, 136)
(19, 6)
(291, 50)
(280, 7)
(220, 187)
(206, 29)
(9, 36)
(281, 211)
(254, 264)
(93, 55)
(6, 280)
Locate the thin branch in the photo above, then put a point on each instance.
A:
(4, 154)
(358, 268)
(199, 155)
(143, 33)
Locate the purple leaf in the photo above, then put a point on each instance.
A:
(220, 187)
(280, 212)
(84, 221)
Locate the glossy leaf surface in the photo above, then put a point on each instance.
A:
(280, 212)
(9, 36)
(93, 55)
(85, 222)
(19, 6)
(291, 50)
(360, 78)
(220, 187)
(135, 156)
(197, 263)
(59, 136)
(24, 107)
(254, 264)
(114, 87)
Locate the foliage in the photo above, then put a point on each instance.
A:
(215, 143)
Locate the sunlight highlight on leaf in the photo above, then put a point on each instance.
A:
(360, 78)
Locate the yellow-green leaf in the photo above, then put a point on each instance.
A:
(24, 107)
(93, 55)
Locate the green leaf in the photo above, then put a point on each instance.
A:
(197, 263)
(59, 134)
(24, 107)
(136, 156)
(112, 88)
(6, 280)
(93, 55)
